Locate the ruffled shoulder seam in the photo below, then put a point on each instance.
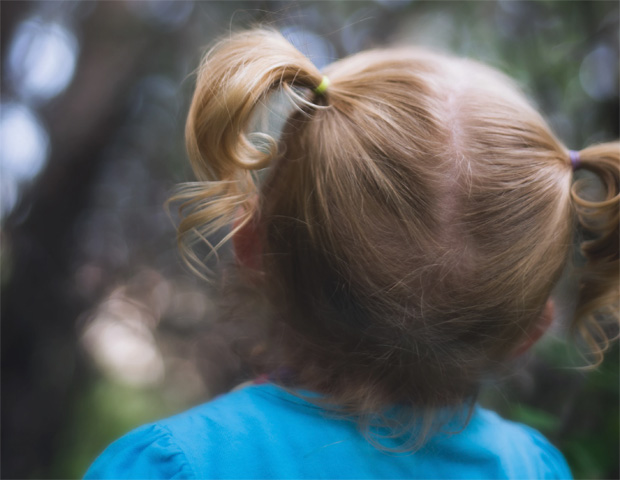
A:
(165, 431)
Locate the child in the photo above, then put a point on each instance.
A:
(414, 220)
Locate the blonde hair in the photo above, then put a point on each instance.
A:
(414, 220)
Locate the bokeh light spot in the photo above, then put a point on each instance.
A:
(313, 46)
(167, 13)
(599, 73)
(24, 146)
(122, 344)
(42, 59)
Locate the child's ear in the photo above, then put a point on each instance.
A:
(246, 245)
(537, 331)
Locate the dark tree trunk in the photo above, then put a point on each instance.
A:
(41, 366)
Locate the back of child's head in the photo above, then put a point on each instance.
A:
(415, 216)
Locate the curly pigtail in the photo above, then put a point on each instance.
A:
(598, 220)
(234, 77)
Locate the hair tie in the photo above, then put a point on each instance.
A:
(322, 88)
(575, 160)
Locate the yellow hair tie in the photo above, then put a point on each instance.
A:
(322, 88)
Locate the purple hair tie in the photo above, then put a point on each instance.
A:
(574, 159)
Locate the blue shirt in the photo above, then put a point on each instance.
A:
(262, 431)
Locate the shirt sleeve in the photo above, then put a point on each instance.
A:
(147, 452)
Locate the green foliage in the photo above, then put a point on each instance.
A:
(582, 419)
(542, 421)
(104, 412)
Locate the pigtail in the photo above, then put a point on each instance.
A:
(234, 78)
(598, 219)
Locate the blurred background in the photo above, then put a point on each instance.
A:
(103, 328)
